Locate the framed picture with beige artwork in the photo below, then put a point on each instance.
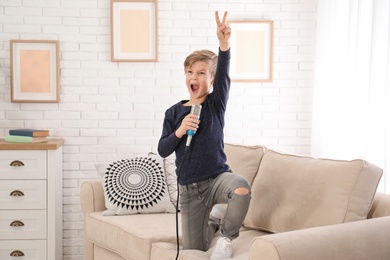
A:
(34, 71)
(252, 51)
(134, 30)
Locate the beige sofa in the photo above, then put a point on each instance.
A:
(301, 208)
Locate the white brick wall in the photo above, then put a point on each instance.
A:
(113, 110)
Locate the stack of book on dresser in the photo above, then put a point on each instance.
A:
(27, 136)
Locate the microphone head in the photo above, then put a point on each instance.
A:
(196, 109)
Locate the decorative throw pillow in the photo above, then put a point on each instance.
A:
(170, 174)
(133, 186)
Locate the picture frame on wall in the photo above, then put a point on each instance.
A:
(34, 71)
(134, 30)
(252, 51)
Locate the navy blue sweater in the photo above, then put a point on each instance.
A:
(205, 157)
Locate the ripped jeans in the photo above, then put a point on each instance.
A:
(197, 201)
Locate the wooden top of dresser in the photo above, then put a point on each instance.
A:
(51, 144)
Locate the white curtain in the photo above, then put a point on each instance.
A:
(351, 113)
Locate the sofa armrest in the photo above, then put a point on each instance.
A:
(365, 239)
(91, 200)
(380, 206)
(92, 196)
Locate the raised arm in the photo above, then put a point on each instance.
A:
(223, 32)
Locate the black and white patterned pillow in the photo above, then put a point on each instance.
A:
(136, 185)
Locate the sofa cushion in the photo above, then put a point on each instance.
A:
(130, 236)
(295, 192)
(133, 186)
(241, 245)
(244, 160)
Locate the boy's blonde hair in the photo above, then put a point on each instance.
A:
(202, 55)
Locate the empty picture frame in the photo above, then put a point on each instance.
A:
(133, 30)
(252, 51)
(34, 71)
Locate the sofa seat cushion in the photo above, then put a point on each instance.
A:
(130, 236)
(241, 245)
(295, 192)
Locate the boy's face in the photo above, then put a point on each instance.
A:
(199, 81)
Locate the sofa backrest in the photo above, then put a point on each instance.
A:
(291, 192)
(244, 160)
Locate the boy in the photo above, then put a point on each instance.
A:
(204, 177)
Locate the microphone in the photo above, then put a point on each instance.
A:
(195, 110)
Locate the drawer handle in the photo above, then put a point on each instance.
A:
(16, 193)
(17, 223)
(16, 163)
(17, 253)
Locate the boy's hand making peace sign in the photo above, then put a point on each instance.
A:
(223, 32)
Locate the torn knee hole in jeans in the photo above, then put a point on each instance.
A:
(241, 191)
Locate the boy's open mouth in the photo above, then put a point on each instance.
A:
(194, 87)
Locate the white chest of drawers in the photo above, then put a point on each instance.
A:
(31, 200)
